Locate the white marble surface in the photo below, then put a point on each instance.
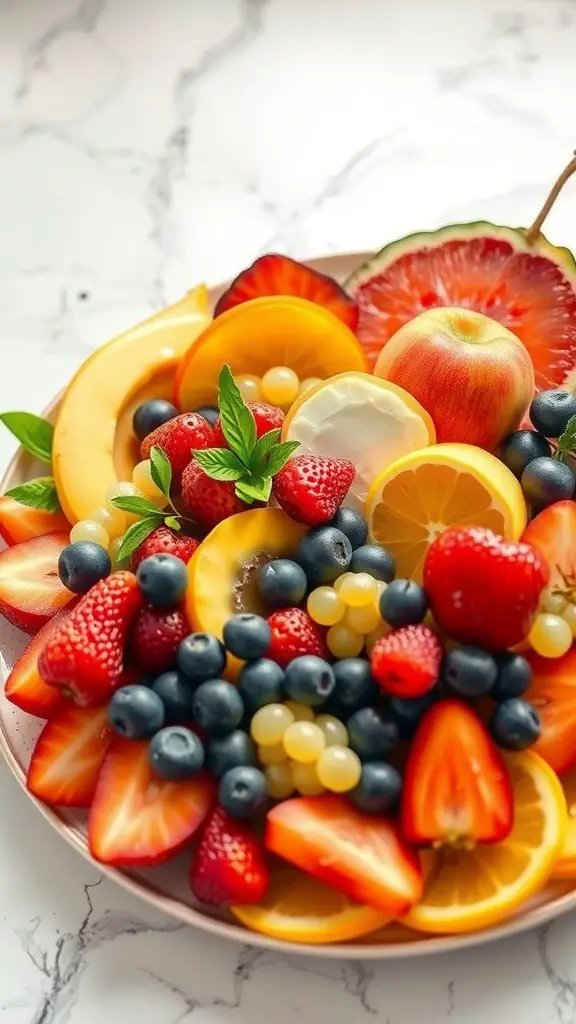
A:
(145, 145)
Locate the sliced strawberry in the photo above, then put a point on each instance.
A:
(552, 693)
(456, 786)
(553, 534)
(19, 523)
(68, 755)
(279, 275)
(25, 687)
(30, 589)
(137, 818)
(363, 856)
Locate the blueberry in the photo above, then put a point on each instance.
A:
(247, 636)
(379, 788)
(152, 414)
(162, 579)
(261, 682)
(242, 792)
(546, 480)
(372, 734)
(201, 656)
(355, 685)
(217, 707)
(209, 412)
(282, 583)
(83, 564)
(515, 724)
(176, 753)
(469, 671)
(408, 711)
(324, 553)
(551, 410)
(236, 750)
(403, 603)
(309, 680)
(175, 692)
(376, 561)
(514, 676)
(352, 523)
(136, 712)
(522, 447)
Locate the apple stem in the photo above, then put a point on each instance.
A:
(533, 232)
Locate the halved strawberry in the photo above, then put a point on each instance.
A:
(553, 534)
(456, 786)
(363, 856)
(68, 755)
(279, 275)
(30, 589)
(19, 523)
(25, 687)
(552, 693)
(137, 818)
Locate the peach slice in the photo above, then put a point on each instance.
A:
(262, 333)
(93, 440)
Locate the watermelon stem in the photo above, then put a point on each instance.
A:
(534, 231)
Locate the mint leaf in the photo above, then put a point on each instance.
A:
(261, 449)
(173, 523)
(220, 464)
(253, 490)
(161, 470)
(34, 433)
(567, 440)
(278, 457)
(236, 420)
(137, 506)
(40, 493)
(135, 535)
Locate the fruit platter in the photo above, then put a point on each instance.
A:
(288, 598)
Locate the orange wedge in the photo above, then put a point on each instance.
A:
(299, 908)
(423, 493)
(565, 866)
(468, 890)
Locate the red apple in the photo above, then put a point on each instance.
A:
(471, 374)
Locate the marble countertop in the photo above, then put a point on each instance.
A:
(145, 146)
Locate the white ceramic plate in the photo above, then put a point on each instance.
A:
(166, 887)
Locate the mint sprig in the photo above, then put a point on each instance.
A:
(36, 436)
(40, 493)
(567, 440)
(151, 516)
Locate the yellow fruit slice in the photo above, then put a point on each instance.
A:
(422, 494)
(468, 890)
(299, 908)
(362, 418)
(565, 866)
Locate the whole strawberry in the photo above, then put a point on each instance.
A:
(229, 865)
(84, 657)
(482, 589)
(155, 637)
(406, 662)
(266, 417)
(209, 501)
(311, 488)
(294, 633)
(163, 541)
(178, 438)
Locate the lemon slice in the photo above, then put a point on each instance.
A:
(362, 418)
(418, 497)
(565, 866)
(468, 890)
(299, 908)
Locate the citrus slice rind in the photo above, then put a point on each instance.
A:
(565, 866)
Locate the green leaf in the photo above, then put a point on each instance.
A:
(135, 535)
(34, 433)
(40, 493)
(278, 457)
(137, 506)
(220, 464)
(173, 523)
(253, 490)
(567, 440)
(236, 420)
(261, 449)
(161, 470)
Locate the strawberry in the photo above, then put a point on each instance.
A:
(456, 786)
(155, 637)
(31, 591)
(482, 589)
(295, 633)
(406, 662)
(553, 534)
(163, 541)
(178, 438)
(25, 687)
(137, 818)
(84, 656)
(552, 694)
(68, 755)
(209, 501)
(229, 865)
(311, 488)
(266, 417)
(279, 275)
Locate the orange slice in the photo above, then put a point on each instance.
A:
(565, 866)
(468, 890)
(422, 494)
(299, 908)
